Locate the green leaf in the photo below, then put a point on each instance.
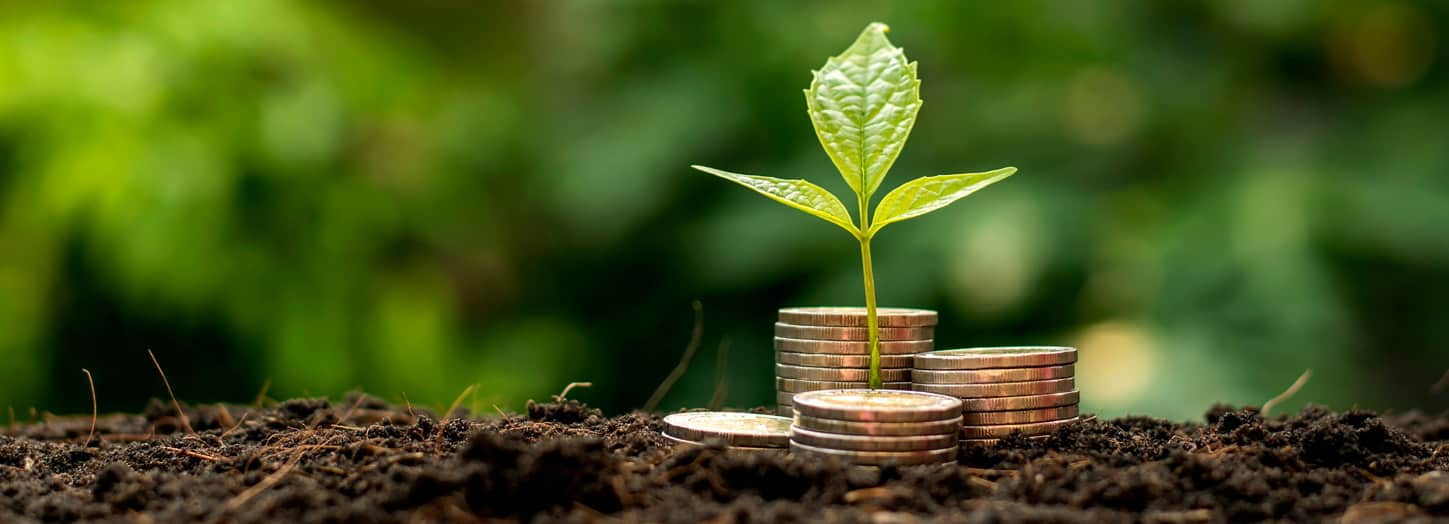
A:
(863, 104)
(799, 194)
(926, 194)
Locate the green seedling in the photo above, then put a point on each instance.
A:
(863, 104)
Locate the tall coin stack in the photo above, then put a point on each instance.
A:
(819, 348)
(875, 427)
(1003, 390)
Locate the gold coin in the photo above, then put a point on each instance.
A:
(999, 357)
(830, 425)
(983, 418)
(784, 397)
(683, 442)
(736, 429)
(1022, 402)
(988, 442)
(856, 316)
(861, 361)
(981, 376)
(878, 458)
(795, 385)
(1002, 430)
(852, 333)
(784, 410)
(866, 405)
(842, 441)
(1000, 389)
(840, 374)
(846, 347)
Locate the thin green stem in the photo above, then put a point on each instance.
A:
(870, 319)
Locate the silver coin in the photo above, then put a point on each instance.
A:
(877, 458)
(1020, 403)
(996, 357)
(830, 425)
(856, 316)
(861, 361)
(1003, 430)
(785, 397)
(852, 333)
(1025, 416)
(988, 442)
(841, 441)
(840, 374)
(785, 410)
(846, 347)
(736, 429)
(865, 405)
(1000, 389)
(982, 376)
(683, 442)
(795, 385)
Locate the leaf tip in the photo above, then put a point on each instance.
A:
(879, 27)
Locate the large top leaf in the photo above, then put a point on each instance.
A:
(863, 104)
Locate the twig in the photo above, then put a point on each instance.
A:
(1288, 393)
(262, 395)
(565, 393)
(95, 411)
(683, 365)
(186, 422)
(449, 414)
(1442, 384)
(721, 379)
(233, 427)
(267, 482)
(410, 406)
(194, 454)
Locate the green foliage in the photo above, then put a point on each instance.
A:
(863, 104)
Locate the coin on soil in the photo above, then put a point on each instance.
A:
(851, 333)
(1002, 430)
(856, 316)
(982, 418)
(989, 442)
(681, 441)
(1022, 402)
(845, 347)
(736, 429)
(840, 374)
(1000, 357)
(877, 458)
(1000, 389)
(830, 425)
(872, 442)
(795, 385)
(979, 376)
(861, 361)
(867, 405)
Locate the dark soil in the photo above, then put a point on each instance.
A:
(361, 460)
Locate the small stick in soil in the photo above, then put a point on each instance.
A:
(193, 454)
(409, 404)
(243, 497)
(94, 410)
(1288, 393)
(683, 365)
(449, 413)
(1442, 384)
(721, 379)
(233, 427)
(262, 395)
(565, 393)
(186, 422)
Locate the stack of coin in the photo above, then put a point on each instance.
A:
(828, 348)
(739, 431)
(1004, 390)
(875, 427)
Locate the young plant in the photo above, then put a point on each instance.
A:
(863, 104)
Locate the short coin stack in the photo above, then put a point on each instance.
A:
(740, 431)
(1004, 390)
(876, 427)
(820, 348)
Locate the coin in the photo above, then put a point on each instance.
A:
(856, 316)
(1000, 357)
(993, 441)
(876, 458)
(980, 376)
(681, 441)
(873, 442)
(846, 347)
(860, 361)
(784, 411)
(852, 333)
(1002, 430)
(736, 429)
(1000, 389)
(795, 385)
(1022, 402)
(840, 374)
(784, 397)
(830, 425)
(981, 418)
(866, 405)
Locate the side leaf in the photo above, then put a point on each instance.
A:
(863, 104)
(926, 194)
(799, 194)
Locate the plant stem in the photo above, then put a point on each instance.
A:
(871, 321)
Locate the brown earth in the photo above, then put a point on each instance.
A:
(361, 460)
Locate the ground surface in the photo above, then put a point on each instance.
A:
(362, 460)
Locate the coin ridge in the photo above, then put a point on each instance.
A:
(933, 406)
(1004, 430)
(852, 334)
(1000, 389)
(792, 385)
(993, 375)
(1021, 416)
(984, 358)
(1017, 403)
(857, 316)
(841, 374)
(677, 425)
(884, 429)
(834, 360)
(904, 458)
(853, 347)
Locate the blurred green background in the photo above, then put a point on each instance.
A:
(412, 197)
